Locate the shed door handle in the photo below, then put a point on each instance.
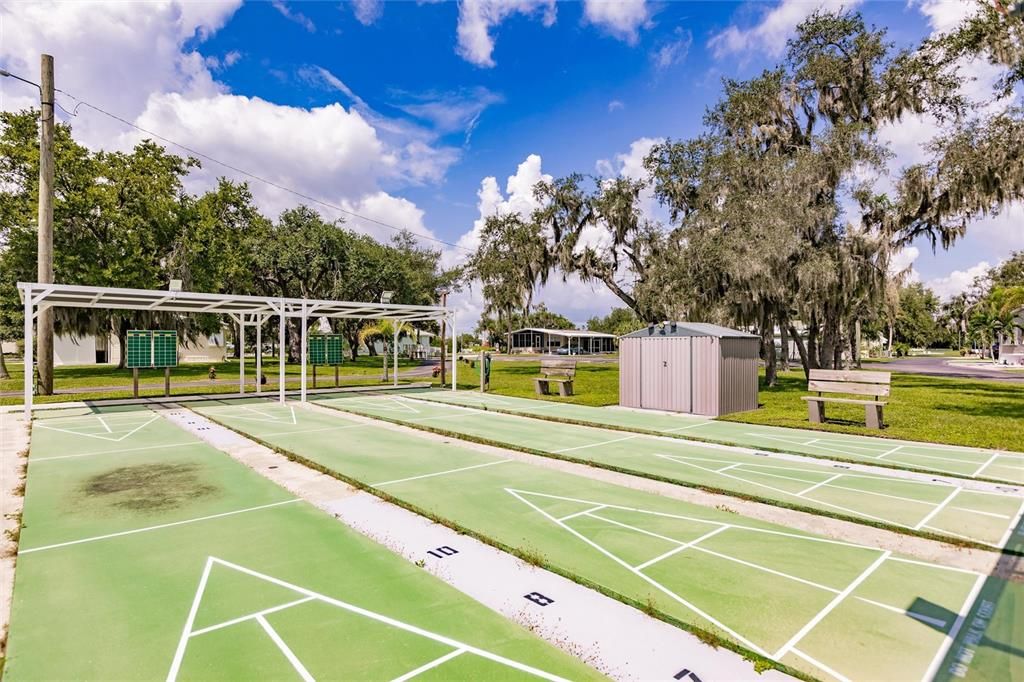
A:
(664, 363)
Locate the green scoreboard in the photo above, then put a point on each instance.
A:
(152, 348)
(325, 349)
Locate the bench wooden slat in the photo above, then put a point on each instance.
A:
(848, 387)
(558, 367)
(858, 376)
(824, 399)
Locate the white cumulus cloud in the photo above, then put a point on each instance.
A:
(478, 17)
(776, 26)
(621, 19)
(150, 72)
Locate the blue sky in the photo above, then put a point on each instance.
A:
(403, 110)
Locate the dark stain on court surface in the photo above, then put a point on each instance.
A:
(149, 487)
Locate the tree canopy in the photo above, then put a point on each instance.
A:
(124, 219)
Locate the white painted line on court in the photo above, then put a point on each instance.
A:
(110, 452)
(783, 491)
(249, 616)
(938, 508)
(680, 548)
(961, 616)
(983, 513)
(594, 445)
(158, 527)
(818, 485)
(42, 425)
(903, 612)
(644, 531)
(890, 451)
(985, 465)
(836, 601)
(100, 418)
(455, 644)
(1013, 526)
(730, 466)
(818, 664)
(648, 579)
(754, 529)
(772, 571)
(582, 513)
(305, 431)
(288, 653)
(956, 569)
(441, 473)
(179, 652)
(440, 660)
(683, 428)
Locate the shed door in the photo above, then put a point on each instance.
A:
(665, 366)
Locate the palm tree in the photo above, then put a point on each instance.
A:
(384, 331)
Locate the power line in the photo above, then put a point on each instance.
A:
(242, 171)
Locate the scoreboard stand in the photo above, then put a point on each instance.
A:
(326, 349)
(152, 349)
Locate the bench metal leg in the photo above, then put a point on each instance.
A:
(873, 416)
(816, 411)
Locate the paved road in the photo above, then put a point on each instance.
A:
(941, 367)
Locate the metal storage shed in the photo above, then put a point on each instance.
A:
(689, 367)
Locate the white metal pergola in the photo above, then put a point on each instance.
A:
(246, 311)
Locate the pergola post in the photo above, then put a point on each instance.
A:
(394, 354)
(259, 354)
(241, 354)
(280, 355)
(455, 357)
(29, 343)
(302, 374)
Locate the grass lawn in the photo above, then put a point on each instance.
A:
(151, 381)
(596, 383)
(975, 413)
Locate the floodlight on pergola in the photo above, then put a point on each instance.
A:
(244, 310)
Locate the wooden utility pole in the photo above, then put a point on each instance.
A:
(44, 262)
(444, 302)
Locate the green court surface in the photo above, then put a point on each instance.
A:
(943, 459)
(147, 554)
(925, 506)
(835, 610)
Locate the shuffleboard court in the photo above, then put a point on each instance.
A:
(936, 458)
(835, 610)
(147, 554)
(935, 507)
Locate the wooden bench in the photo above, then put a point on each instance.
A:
(875, 384)
(556, 371)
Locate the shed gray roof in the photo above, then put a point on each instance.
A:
(688, 329)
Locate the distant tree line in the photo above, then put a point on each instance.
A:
(124, 219)
(774, 222)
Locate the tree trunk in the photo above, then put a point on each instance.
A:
(889, 349)
(122, 342)
(784, 342)
(856, 344)
(235, 340)
(353, 344)
(4, 374)
(805, 359)
(768, 349)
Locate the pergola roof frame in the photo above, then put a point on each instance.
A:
(244, 309)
